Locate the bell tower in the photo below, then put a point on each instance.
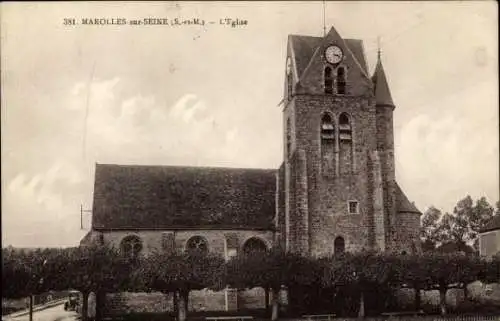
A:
(329, 123)
(337, 189)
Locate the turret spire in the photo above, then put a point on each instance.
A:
(382, 93)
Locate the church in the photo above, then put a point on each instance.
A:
(335, 190)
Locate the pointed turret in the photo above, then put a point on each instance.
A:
(382, 93)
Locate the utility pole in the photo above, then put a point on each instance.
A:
(324, 18)
(31, 307)
(32, 297)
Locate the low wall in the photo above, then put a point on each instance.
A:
(425, 318)
(202, 300)
(477, 291)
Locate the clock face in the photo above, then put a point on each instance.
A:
(334, 54)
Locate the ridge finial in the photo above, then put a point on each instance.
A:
(378, 48)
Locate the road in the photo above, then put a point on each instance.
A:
(55, 313)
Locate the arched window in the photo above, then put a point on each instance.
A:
(327, 144)
(254, 246)
(344, 127)
(327, 128)
(328, 80)
(339, 245)
(131, 246)
(345, 144)
(341, 81)
(197, 244)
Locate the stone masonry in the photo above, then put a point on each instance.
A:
(335, 190)
(316, 200)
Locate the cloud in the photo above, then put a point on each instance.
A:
(120, 128)
(42, 209)
(116, 125)
(45, 190)
(445, 158)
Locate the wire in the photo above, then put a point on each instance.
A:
(84, 143)
(391, 39)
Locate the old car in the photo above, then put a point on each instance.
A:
(73, 301)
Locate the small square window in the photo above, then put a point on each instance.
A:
(353, 207)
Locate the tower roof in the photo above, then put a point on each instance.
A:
(307, 61)
(304, 48)
(403, 204)
(382, 92)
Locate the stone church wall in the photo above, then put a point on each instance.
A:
(328, 195)
(226, 243)
(408, 227)
(203, 300)
(218, 240)
(126, 302)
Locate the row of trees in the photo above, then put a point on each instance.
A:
(101, 270)
(459, 230)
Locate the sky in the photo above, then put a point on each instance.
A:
(74, 95)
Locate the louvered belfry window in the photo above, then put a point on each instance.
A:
(327, 144)
(327, 128)
(328, 77)
(345, 131)
(341, 81)
(346, 154)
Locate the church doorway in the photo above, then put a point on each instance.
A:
(339, 245)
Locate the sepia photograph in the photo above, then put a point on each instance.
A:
(250, 160)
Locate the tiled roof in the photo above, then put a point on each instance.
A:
(382, 92)
(403, 205)
(492, 224)
(356, 47)
(155, 197)
(303, 48)
(86, 240)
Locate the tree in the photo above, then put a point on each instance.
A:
(270, 270)
(16, 275)
(181, 273)
(481, 213)
(409, 272)
(431, 231)
(89, 269)
(362, 271)
(460, 227)
(446, 271)
(25, 273)
(490, 270)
